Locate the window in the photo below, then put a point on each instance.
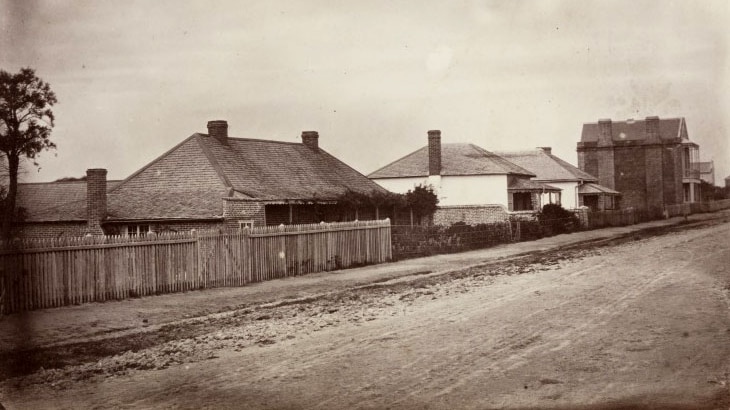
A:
(522, 201)
(135, 230)
(245, 224)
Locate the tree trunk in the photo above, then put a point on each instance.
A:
(9, 213)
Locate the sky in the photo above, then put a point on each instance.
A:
(134, 78)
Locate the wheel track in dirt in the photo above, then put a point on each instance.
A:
(499, 359)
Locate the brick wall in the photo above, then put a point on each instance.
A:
(47, 230)
(277, 214)
(654, 178)
(117, 228)
(235, 210)
(631, 176)
(470, 214)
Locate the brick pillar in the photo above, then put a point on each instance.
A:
(311, 139)
(95, 200)
(606, 166)
(434, 152)
(652, 129)
(654, 167)
(218, 129)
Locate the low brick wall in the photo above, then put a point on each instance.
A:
(470, 214)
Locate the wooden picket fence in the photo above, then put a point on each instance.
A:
(37, 274)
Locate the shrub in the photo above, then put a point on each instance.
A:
(554, 220)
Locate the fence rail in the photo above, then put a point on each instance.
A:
(37, 274)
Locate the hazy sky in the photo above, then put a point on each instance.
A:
(134, 78)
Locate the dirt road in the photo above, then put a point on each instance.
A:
(641, 324)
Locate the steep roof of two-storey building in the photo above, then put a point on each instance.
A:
(635, 131)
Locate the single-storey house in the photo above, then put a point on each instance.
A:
(577, 187)
(207, 181)
(473, 185)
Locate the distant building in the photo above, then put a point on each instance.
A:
(578, 188)
(651, 162)
(707, 172)
(473, 185)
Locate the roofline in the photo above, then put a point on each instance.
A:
(117, 220)
(457, 175)
(477, 147)
(149, 164)
(83, 181)
(397, 160)
(639, 119)
(348, 166)
(214, 163)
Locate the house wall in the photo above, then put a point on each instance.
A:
(236, 210)
(456, 190)
(119, 228)
(47, 230)
(648, 176)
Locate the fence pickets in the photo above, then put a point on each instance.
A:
(46, 273)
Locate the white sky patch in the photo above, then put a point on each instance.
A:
(371, 77)
(439, 60)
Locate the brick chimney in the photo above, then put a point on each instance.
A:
(434, 152)
(547, 150)
(218, 129)
(605, 134)
(652, 128)
(95, 200)
(311, 139)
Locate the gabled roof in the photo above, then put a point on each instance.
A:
(546, 167)
(635, 130)
(55, 201)
(457, 159)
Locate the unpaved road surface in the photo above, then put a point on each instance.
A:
(642, 323)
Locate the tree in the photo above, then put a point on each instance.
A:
(26, 121)
(422, 200)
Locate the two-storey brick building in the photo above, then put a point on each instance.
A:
(651, 162)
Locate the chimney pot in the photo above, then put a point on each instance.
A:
(218, 129)
(547, 150)
(311, 139)
(434, 152)
(96, 209)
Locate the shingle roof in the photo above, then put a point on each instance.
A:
(190, 180)
(546, 167)
(273, 170)
(456, 159)
(521, 184)
(55, 201)
(669, 128)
